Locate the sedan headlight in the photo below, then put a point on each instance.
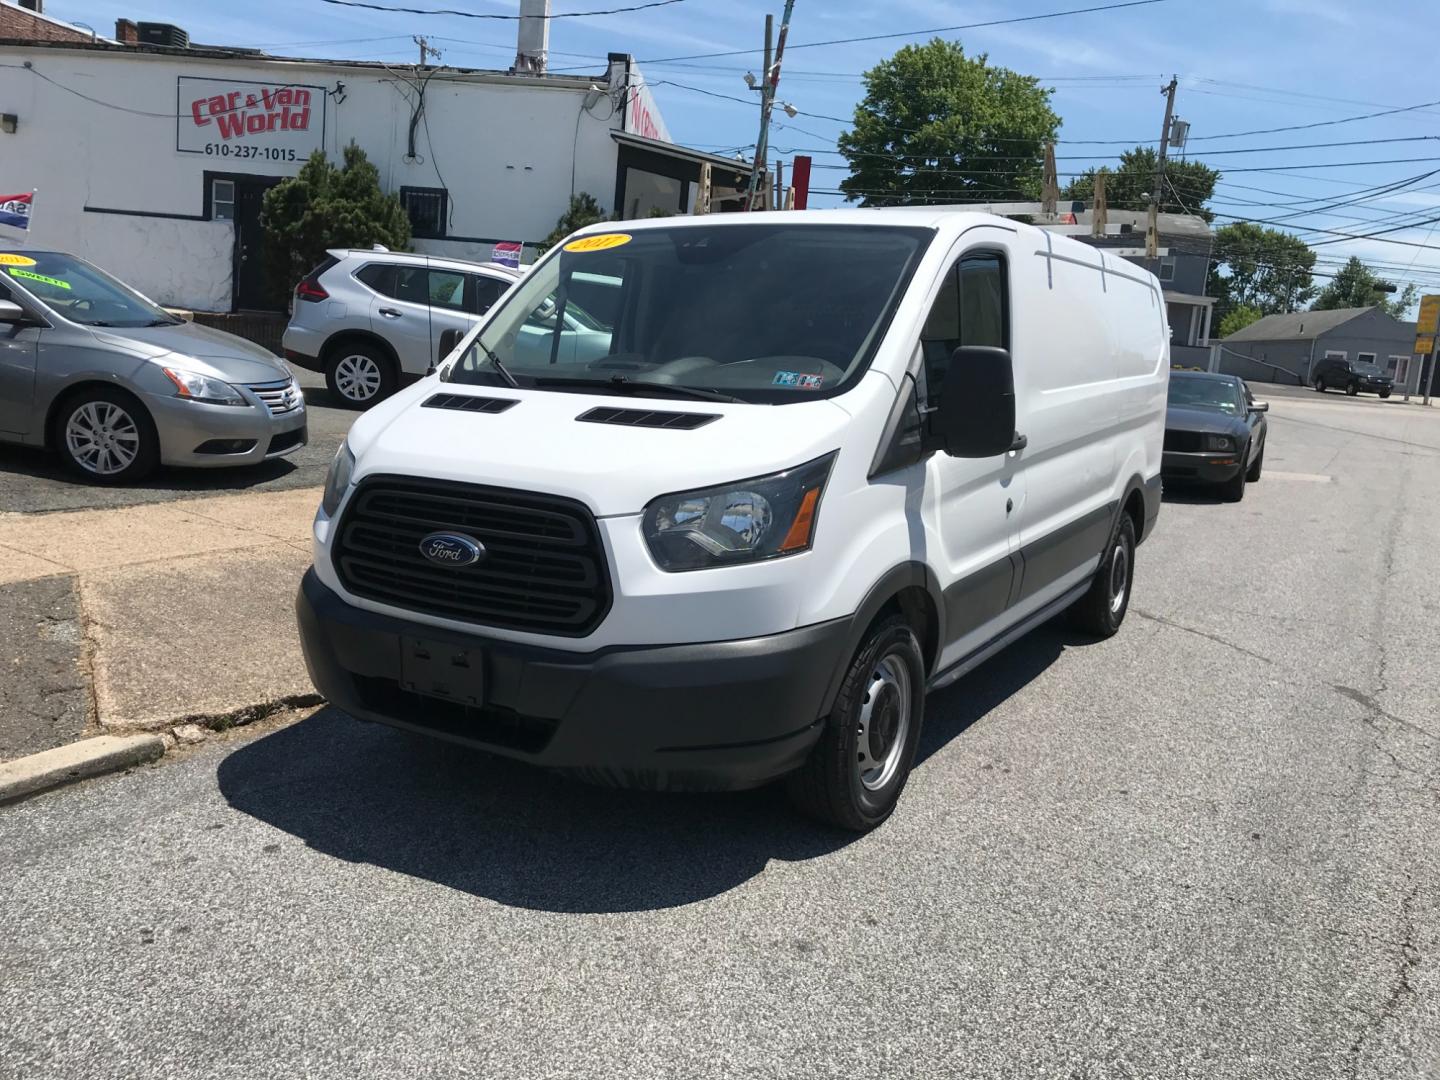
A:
(337, 479)
(763, 518)
(203, 388)
(1219, 442)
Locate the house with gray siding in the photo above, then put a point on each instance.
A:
(1286, 348)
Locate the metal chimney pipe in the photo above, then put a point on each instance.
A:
(533, 44)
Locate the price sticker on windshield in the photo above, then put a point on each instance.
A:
(6, 259)
(603, 242)
(14, 272)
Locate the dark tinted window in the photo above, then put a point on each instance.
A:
(487, 290)
(437, 288)
(427, 209)
(970, 310)
(379, 276)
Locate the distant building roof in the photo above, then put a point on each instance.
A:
(1297, 325)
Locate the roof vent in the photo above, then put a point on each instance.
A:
(648, 418)
(469, 403)
(166, 34)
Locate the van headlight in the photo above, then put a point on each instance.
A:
(750, 520)
(337, 479)
(1219, 442)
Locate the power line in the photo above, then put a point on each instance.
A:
(486, 15)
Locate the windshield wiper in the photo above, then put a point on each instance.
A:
(498, 364)
(619, 384)
(163, 322)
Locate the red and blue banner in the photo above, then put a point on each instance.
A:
(15, 210)
(506, 253)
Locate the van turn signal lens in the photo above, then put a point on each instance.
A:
(799, 535)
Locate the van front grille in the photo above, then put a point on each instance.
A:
(543, 568)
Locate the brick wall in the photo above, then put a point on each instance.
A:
(23, 25)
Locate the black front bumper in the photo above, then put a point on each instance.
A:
(1206, 468)
(720, 715)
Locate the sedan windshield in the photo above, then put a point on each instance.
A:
(79, 292)
(766, 313)
(1192, 392)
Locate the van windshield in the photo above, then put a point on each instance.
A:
(764, 313)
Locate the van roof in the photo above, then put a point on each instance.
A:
(933, 216)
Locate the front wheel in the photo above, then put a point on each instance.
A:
(1320, 385)
(1102, 609)
(1384, 394)
(1351, 390)
(856, 772)
(1257, 465)
(107, 437)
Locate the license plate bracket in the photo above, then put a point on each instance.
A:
(439, 670)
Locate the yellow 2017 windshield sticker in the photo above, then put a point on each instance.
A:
(38, 277)
(7, 259)
(603, 242)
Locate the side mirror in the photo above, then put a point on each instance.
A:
(11, 312)
(1260, 406)
(976, 414)
(448, 340)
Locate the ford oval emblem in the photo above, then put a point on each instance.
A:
(452, 549)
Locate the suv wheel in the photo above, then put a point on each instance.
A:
(106, 436)
(856, 772)
(1320, 384)
(359, 375)
(1351, 389)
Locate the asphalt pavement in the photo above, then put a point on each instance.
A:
(34, 481)
(1207, 847)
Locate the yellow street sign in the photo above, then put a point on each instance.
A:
(1424, 346)
(1429, 316)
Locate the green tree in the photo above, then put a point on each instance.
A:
(325, 207)
(1356, 285)
(583, 210)
(1187, 187)
(1236, 319)
(937, 126)
(1265, 269)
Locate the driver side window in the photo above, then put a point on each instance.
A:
(972, 308)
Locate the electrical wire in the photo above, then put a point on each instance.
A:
(506, 18)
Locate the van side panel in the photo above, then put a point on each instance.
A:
(1066, 372)
(1142, 351)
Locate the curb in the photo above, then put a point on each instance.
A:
(77, 761)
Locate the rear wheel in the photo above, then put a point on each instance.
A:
(1320, 384)
(106, 436)
(856, 772)
(360, 375)
(1102, 609)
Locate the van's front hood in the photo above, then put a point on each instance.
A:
(538, 445)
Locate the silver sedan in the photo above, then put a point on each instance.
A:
(116, 385)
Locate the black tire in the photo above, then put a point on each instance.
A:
(1351, 390)
(1102, 609)
(120, 426)
(1320, 385)
(1384, 394)
(1253, 473)
(359, 374)
(1233, 490)
(834, 786)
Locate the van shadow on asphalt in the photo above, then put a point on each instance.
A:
(532, 839)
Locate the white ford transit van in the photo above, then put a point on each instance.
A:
(823, 463)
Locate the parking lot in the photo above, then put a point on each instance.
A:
(1206, 848)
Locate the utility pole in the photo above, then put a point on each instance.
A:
(769, 81)
(1100, 212)
(426, 49)
(1152, 233)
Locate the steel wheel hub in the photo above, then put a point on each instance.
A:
(1119, 577)
(884, 722)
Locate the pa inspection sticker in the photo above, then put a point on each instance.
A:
(602, 242)
(6, 259)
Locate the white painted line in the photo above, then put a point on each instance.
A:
(1304, 477)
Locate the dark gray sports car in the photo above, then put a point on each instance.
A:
(1214, 432)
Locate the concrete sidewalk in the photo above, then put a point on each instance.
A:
(150, 617)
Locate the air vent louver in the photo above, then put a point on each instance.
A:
(647, 418)
(469, 403)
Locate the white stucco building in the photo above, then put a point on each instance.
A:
(151, 160)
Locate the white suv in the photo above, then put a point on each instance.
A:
(374, 320)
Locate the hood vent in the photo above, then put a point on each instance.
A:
(469, 403)
(683, 421)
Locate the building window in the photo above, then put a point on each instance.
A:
(647, 193)
(1339, 353)
(1167, 269)
(222, 200)
(1365, 357)
(428, 209)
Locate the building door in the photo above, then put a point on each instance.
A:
(253, 289)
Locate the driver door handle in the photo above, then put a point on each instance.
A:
(390, 313)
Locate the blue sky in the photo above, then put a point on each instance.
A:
(1243, 65)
